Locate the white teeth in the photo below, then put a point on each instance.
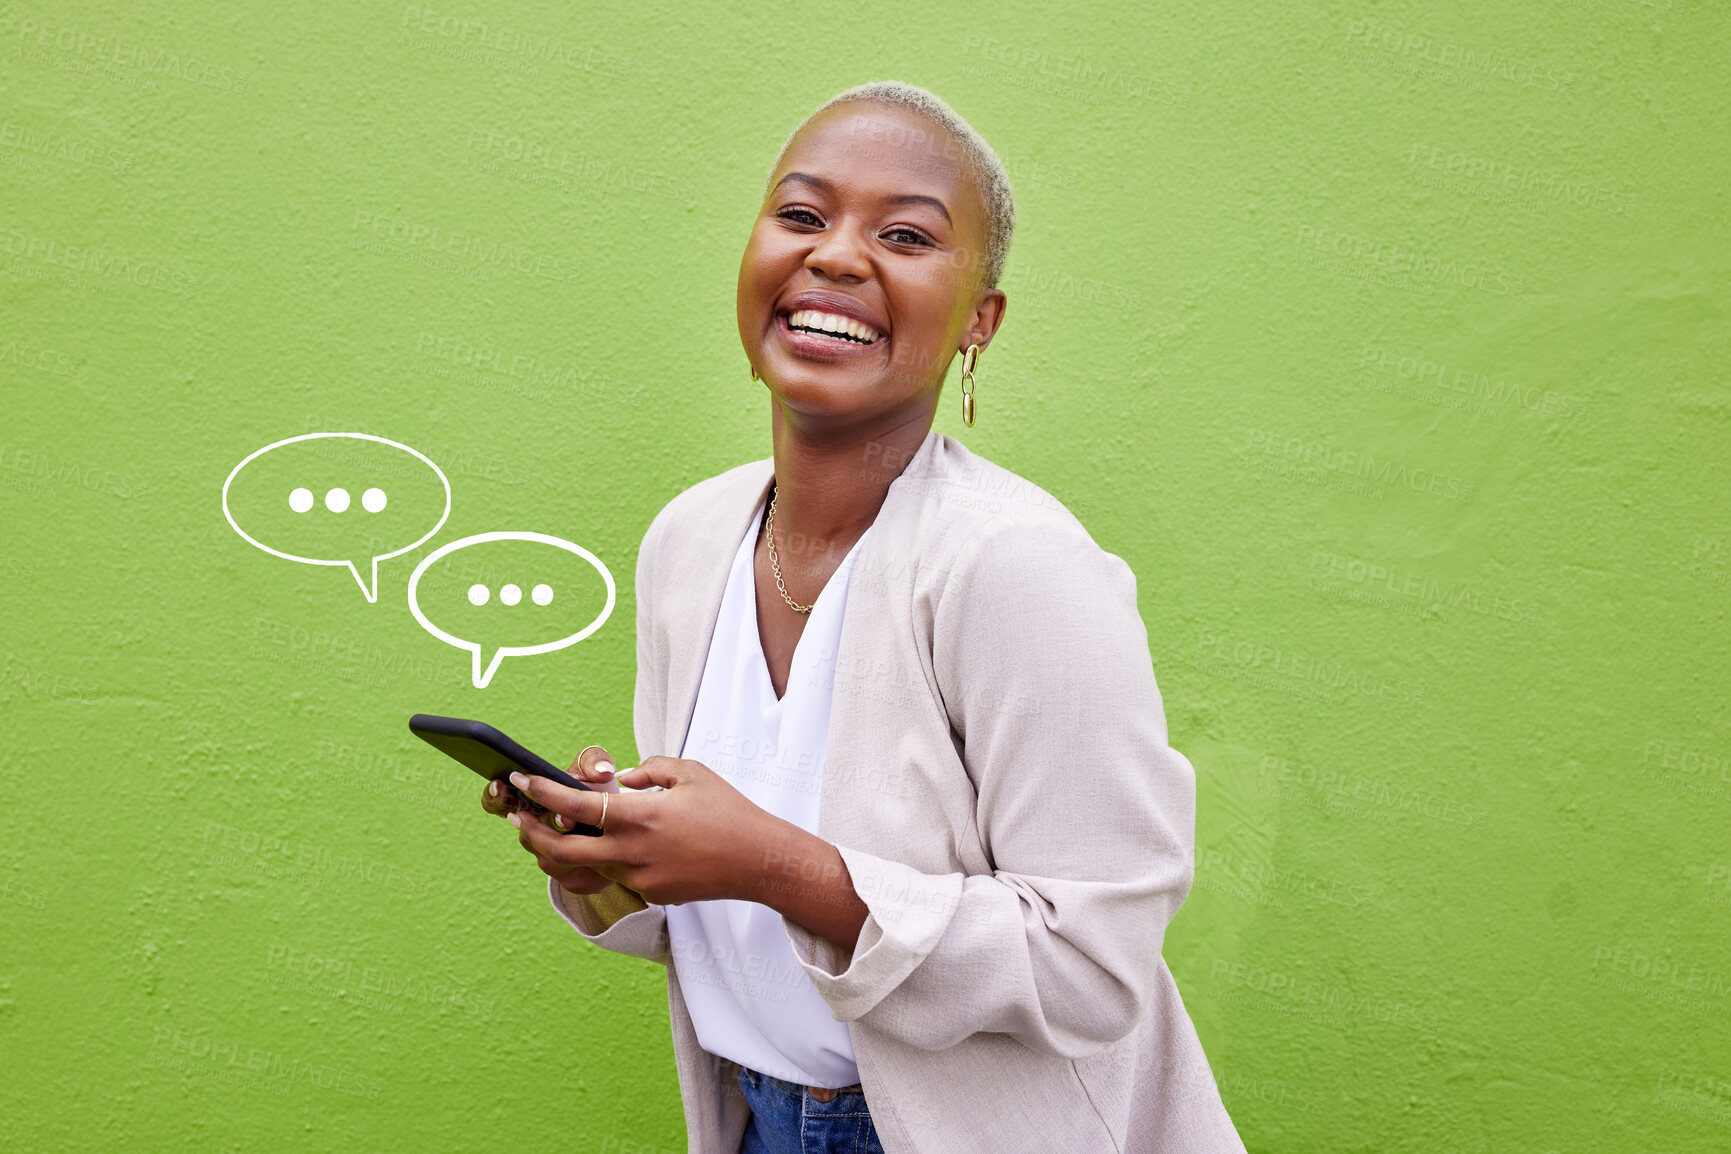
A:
(831, 323)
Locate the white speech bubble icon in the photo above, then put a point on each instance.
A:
(484, 668)
(338, 500)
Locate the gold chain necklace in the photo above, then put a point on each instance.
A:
(775, 564)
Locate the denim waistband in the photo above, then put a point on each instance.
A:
(795, 1088)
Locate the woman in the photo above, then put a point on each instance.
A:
(906, 828)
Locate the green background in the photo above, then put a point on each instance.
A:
(1386, 342)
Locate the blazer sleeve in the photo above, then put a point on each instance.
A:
(618, 918)
(1085, 813)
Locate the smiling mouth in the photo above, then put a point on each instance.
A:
(833, 326)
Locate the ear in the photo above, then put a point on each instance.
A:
(983, 323)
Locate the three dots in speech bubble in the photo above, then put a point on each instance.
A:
(510, 594)
(301, 500)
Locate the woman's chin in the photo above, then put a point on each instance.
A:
(818, 394)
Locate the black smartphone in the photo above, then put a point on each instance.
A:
(491, 754)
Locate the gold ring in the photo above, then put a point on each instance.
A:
(602, 824)
(585, 749)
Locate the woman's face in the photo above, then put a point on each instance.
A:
(862, 277)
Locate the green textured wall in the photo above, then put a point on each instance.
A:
(1386, 342)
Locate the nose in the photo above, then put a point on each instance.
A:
(840, 253)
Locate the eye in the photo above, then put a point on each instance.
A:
(799, 215)
(906, 234)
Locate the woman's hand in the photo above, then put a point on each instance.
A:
(696, 838)
(593, 767)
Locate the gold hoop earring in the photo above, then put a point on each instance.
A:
(754, 375)
(969, 360)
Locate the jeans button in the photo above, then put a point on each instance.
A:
(821, 1094)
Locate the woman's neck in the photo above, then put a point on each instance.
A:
(831, 484)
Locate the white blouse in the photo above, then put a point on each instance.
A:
(749, 998)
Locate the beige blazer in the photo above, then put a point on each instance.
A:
(999, 785)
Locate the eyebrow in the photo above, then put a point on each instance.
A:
(823, 185)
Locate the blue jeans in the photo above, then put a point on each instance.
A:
(787, 1120)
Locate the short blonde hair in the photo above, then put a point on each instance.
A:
(988, 170)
